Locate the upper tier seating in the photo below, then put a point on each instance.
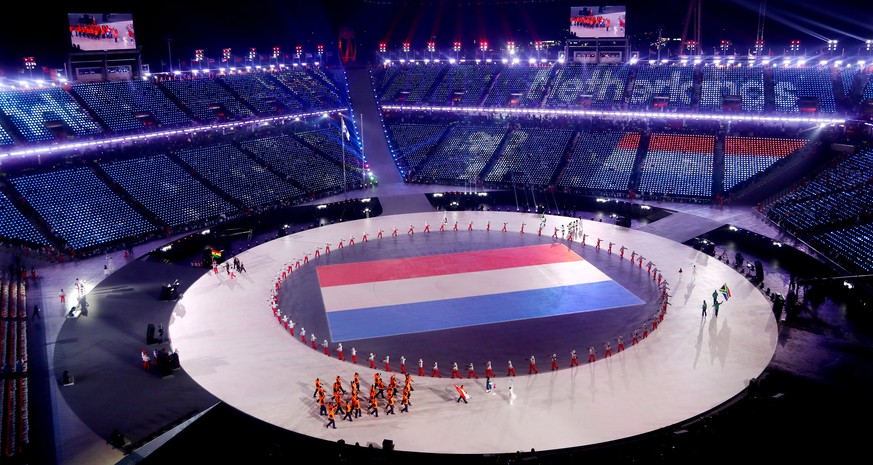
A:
(847, 77)
(125, 106)
(791, 84)
(409, 84)
(267, 96)
(674, 82)
(743, 82)
(518, 86)
(207, 100)
(868, 90)
(313, 88)
(463, 84)
(40, 114)
(605, 84)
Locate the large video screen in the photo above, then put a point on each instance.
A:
(101, 31)
(596, 22)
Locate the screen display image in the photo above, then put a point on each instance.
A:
(595, 22)
(101, 31)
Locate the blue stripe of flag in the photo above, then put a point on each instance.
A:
(394, 320)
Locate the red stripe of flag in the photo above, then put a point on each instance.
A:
(436, 265)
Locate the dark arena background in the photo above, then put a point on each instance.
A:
(636, 232)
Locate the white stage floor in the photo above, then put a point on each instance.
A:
(231, 344)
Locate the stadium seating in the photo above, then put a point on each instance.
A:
(265, 95)
(674, 82)
(605, 84)
(381, 77)
(601, 161)
(163, 187)
(240, 177)
(32, 111)
(463, 154)
(851, 246)
(744, 157)
(678, 166)
(868, 90)
(126, 106)
(530, 155)
(837, 195)
(312, 87)
(847, 77)
(747, 83)
(80, 208)
(331, 144)
(791, 84)
(463, 84)
(410, 83)
(518, 86)
(298, 162)
(5, 138)
(412, 142)
(14, 225)
(207, 100)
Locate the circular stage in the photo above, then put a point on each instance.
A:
(472, 297)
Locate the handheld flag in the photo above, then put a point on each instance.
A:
(216, 253)
(725, 291)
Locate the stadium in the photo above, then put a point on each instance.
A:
(583, 240)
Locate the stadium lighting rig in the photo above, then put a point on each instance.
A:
(225, 55)
(832, 45)
(383, 47)
(759, 47)
(30, 65)
(691, 47)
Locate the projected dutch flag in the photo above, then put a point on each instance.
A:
(436, 292)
